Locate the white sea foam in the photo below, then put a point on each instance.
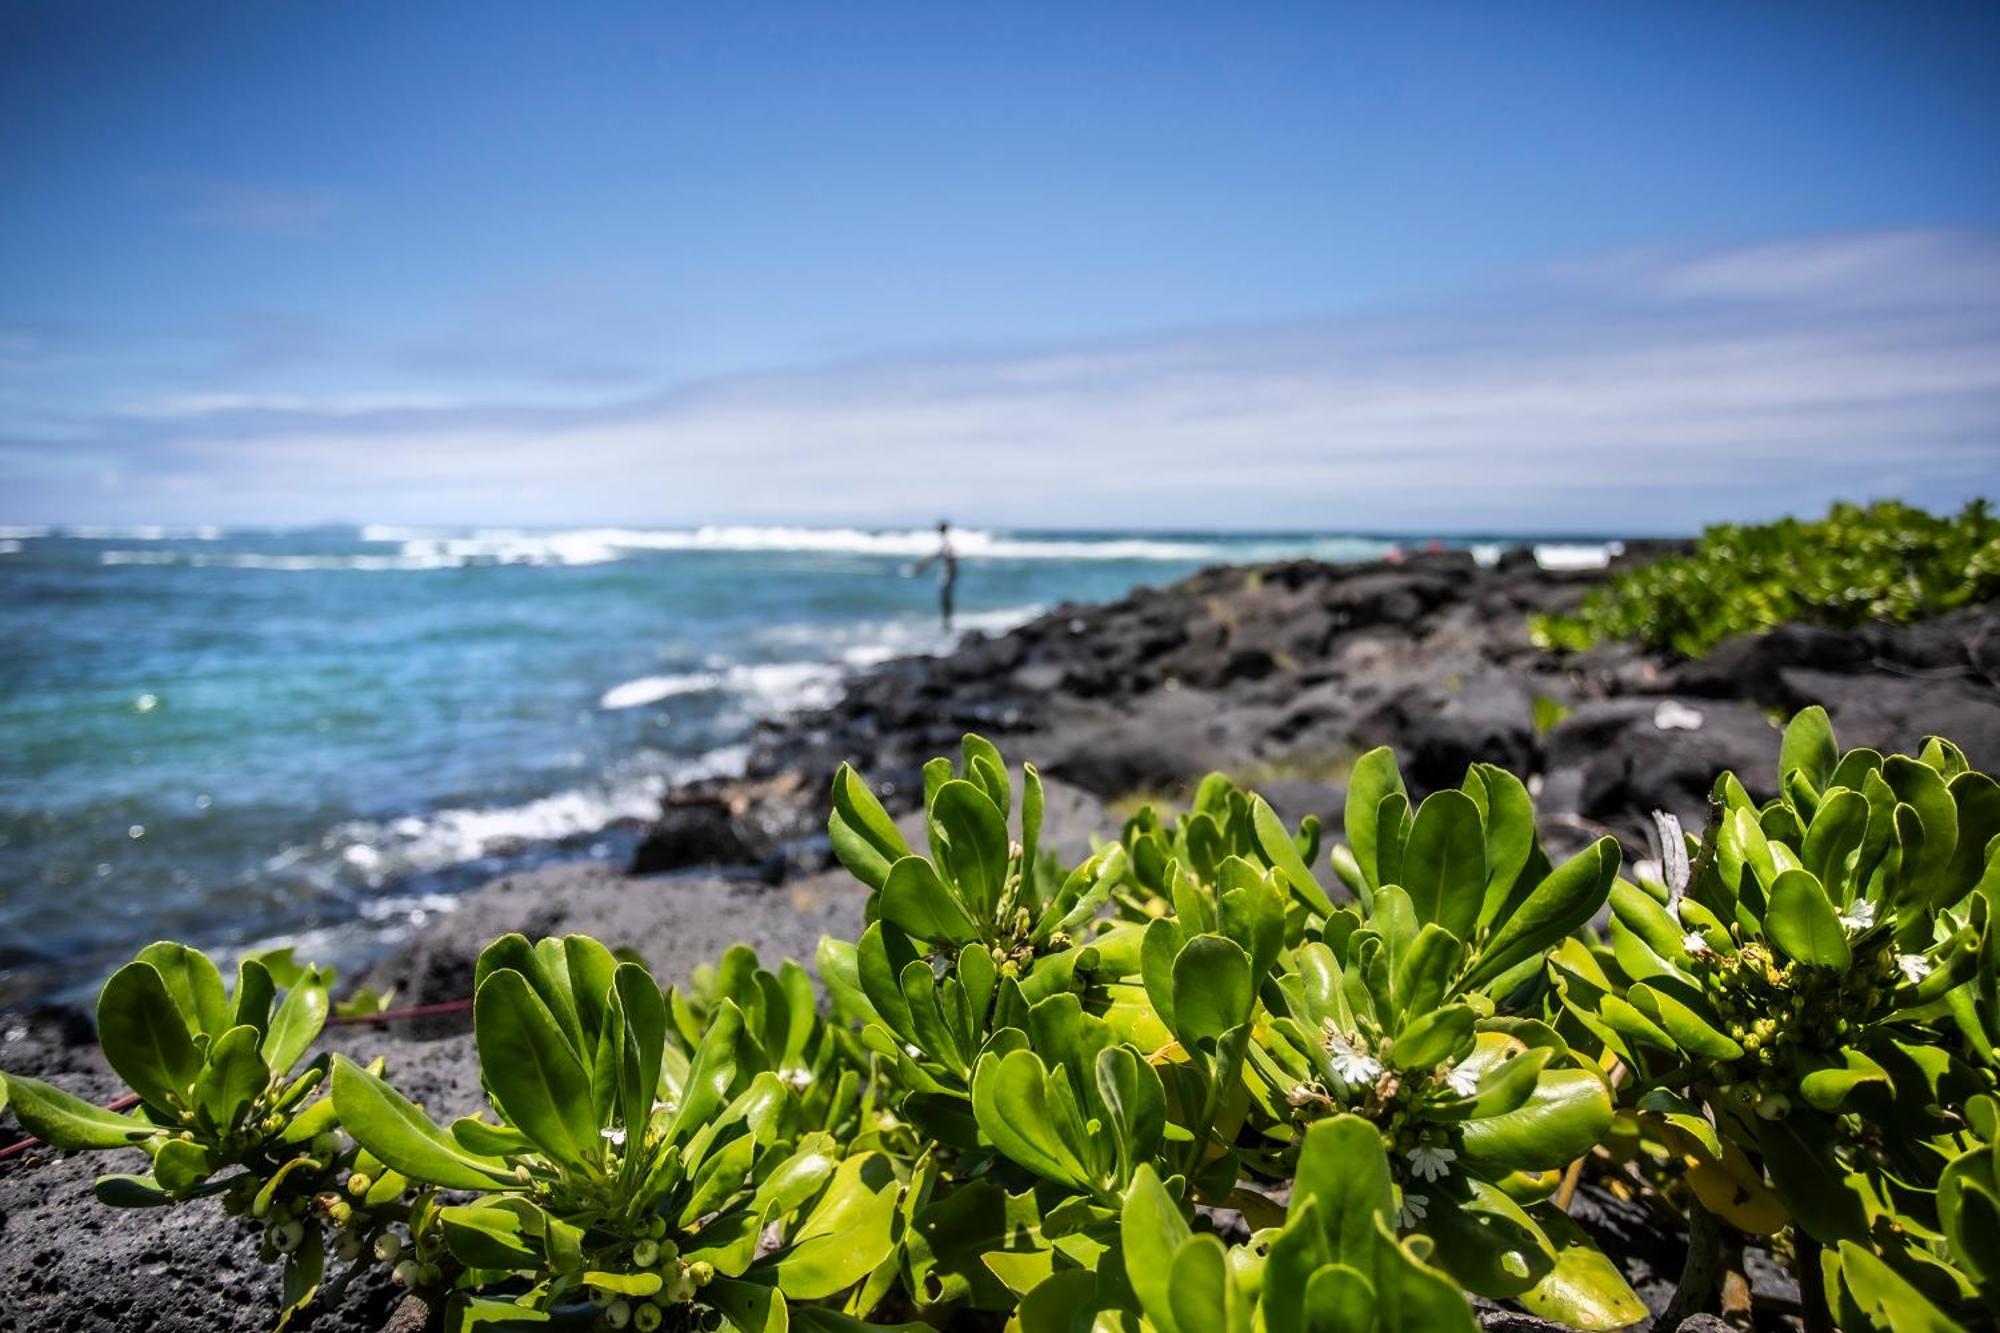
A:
(9, 546)
(16, 532)
(428, 549)
(593, 545)
(143, 532)
(652, 689)
(1577, 555)
(378, 851)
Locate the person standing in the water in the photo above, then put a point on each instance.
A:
(946, 560)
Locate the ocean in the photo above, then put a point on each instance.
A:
(233, 737)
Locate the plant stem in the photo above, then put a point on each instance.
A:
(1812, 1283)
(1701, 1272)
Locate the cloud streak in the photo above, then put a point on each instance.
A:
(1637, 392)
(246, 207)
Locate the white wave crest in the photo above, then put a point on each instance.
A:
(143, 532)
(8, 546)
(380, 851)
(590, 545)
(1577, 555)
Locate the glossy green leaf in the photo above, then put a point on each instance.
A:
(1375, 776)
(192, 979)
(844, 1236)
(1279, 849)
(233, 1077)
(1808, 746)
(1444, 862)
(864, 837)
(64, 1121)
(143, 1038)
(535, 1076)
(1569, 896)
(1212, 988)
(1801, 921)
(1010, 1097)
(1566, 1117)
(1434, 1037)
(300, 1017)
(973, 840)
(384, 1122)
(920, 903)
(1584, 1290)
(1151, 1231)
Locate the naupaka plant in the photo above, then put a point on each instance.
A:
(1805, 1000)
(225, 1110)
(624, 1181)
(1417, 1008)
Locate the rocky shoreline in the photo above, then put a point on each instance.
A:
(1280, 674)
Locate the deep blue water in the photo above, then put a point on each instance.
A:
(231, 737)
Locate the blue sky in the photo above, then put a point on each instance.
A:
(1472, 266)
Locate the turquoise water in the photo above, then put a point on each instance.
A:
(231, 737)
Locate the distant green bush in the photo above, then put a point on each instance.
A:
(1881, 562)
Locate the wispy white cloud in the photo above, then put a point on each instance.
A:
(243, 206)
(1642, 391)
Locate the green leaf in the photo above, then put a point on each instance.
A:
(1486, 1240)
(180, 1166)
(1565, 1118)
(1375, 776)
(1340, 1299)
(533, 1071)
(1834, 835)
(387, 1125)
(972, 836)
(750, 1307)
(255, 994)
(1200, 1290)
(845, 1235)
(1569, 896)
(1801, 921)
(1151, 1230)
(300, 1017)
(1509, 814)
(1584, 1290)
(1433, 1038)
(127, 1191)
(1213, 989)
(1135, 1102)
(143, 1038)
(1886, 1299)
(1798, 1153)
(1011, 1099)
(864, 837)
(63, 1121)
(918, 902)
(1344, 1172)
(195, 984)
(1693, 1029)
(1809, 747)
(1919, 785)
(234, 1076)
(1828, 1089)
(1444, 862)
(491, 1236)
(1423, 974)
(1276, 843)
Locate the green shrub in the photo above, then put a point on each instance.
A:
(1034, 1085)
(1883, 562)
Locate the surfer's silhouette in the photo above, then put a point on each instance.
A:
(946, 560)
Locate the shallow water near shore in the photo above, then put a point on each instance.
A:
(230, 737)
